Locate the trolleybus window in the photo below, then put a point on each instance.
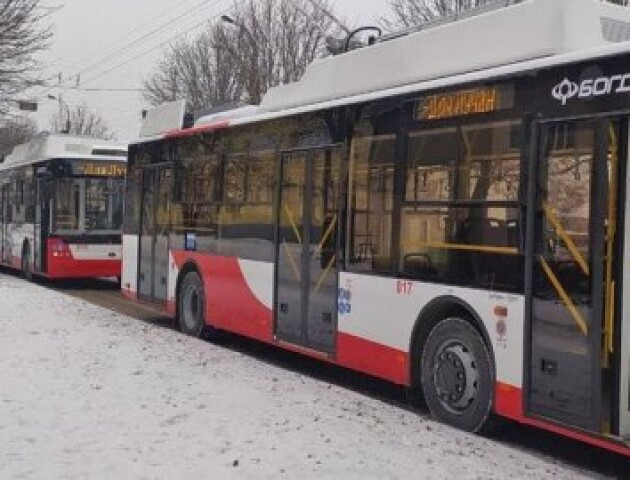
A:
(372, 187)
(88, 206)
(460, 219)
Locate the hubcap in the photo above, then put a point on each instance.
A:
(192, 307)
(455, 376)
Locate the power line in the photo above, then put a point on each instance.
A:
(146, 52)
(122, 37)
(138, 41)
(145, 37)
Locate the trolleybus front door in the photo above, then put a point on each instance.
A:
(155, 213)
(307, 249)
(43, 203)
(572, 282)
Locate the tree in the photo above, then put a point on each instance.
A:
(262, 44)
(408, 13)
(15, 132)
(199, 71)
(22, 35)
(81, 121)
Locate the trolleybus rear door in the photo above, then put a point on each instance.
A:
(155, 208)
(307, 249)
(570, 251)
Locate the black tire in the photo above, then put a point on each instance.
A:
(27, 271)
(457, 375)
(191, 306)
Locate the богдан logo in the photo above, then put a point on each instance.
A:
(591, 87)
(565, 90)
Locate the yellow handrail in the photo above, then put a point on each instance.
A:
(296, 230)
(577, 316)
(609, 309)
(568, 241)
(469, 248)
(329, 231)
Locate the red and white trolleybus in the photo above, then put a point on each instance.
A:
(61, 207)
(445, 209)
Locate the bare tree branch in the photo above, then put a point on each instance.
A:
(22, 35)
(15, 132)
(409, 13)
(82, 121)
(270, 42)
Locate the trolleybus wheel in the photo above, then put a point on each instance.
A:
(26, 263)
(191, 305)
(457, 375)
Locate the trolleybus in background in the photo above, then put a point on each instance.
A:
(446, 214)
(61, 207)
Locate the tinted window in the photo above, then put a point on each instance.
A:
(460, 221)
(371, 196)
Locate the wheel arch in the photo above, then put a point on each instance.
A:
(431, 314)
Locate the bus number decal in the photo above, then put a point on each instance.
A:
(404, 287)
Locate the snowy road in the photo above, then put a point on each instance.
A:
(88, 393)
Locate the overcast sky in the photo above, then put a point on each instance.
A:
(87, 32)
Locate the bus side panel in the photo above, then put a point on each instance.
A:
(377, 317)
(129, 273)
(239, 293)
(83, 260)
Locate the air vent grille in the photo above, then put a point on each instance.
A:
(615, 31)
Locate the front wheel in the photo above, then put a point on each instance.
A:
(191, 305)
(458, 375)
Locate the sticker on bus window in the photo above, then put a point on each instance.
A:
(190, 242)
(345, 299)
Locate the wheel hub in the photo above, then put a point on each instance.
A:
(455, 376)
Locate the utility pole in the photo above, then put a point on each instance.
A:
(65, 128)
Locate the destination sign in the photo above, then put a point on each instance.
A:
(102, 169)
(467, 102)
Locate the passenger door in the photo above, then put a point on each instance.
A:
(154, 229)
(572, 277)
(44, 188)
(308, 248)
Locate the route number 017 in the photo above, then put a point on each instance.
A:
(403, 287)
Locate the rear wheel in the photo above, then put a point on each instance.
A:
(458, 375)
(191, 305)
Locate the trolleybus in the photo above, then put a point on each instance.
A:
(445, 209)
(61, 207)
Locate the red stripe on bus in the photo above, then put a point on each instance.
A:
(508, 401)
(59, 268)
(189, 132)
(230, 303)
(373, 358)
(509, 404)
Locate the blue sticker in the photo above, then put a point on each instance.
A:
(345, 301)
(190, 242)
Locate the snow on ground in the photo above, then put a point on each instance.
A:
(87, 393)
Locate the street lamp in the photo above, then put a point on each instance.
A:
(254, 73)
(62, 104)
